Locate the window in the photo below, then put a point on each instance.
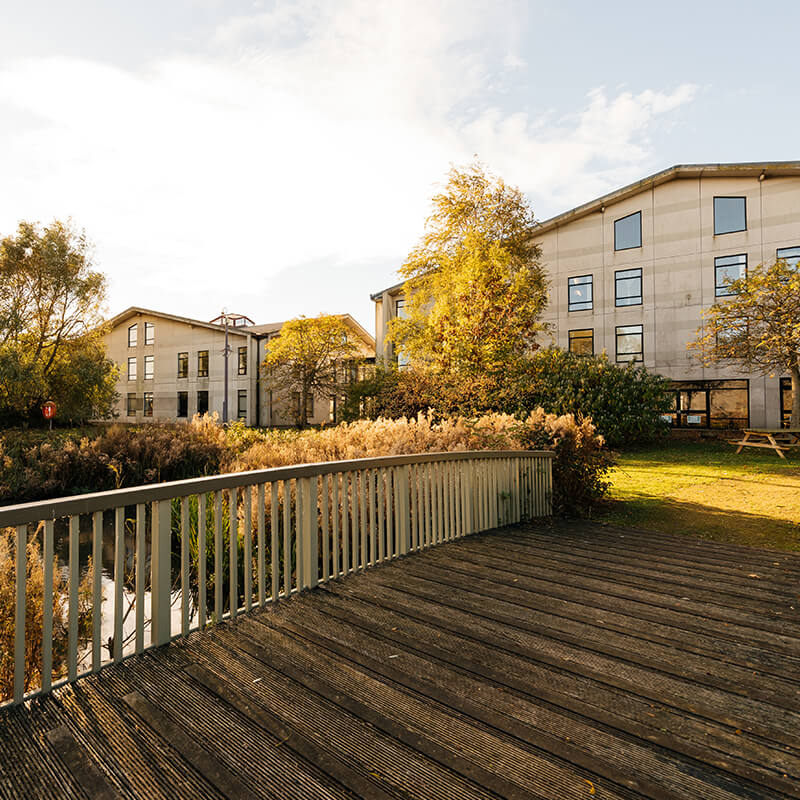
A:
(202, 402)
(183, 365)
(296, 405)
(710, 404)
(243, 361)
(727, 269)
(730, 215)
(791, 255)
(630, 343)
(628, 287)
(241, 405)
(132, 368)
(628, 232)
(149, 333)
(202, 363)
(147, 404)
(582, 342)
(786, 402)
(400, 309)
(133, 335)
(149, 367)
(580, 293)
(183, 404)
(131, 409)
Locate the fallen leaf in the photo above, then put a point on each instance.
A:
(591, 786)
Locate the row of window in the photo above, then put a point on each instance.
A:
(629, 344)
(145, 404)
(730, 216)
(149, 334)
(628, 282)
(183, 365)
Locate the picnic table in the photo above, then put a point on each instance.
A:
(777, 439)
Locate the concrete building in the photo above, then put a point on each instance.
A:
(172, 367)
(631, 273)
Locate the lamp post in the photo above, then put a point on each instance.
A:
(226, 353)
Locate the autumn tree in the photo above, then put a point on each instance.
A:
(311, 356)
(474, 286)
(757, 326)
(51, 345)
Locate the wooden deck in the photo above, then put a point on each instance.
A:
(551, 661)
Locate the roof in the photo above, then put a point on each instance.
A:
(391, 290)
(274, 327)
(769, 169)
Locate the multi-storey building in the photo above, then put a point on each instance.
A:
(172, 367)
(632, 272)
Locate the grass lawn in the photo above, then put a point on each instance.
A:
(704, 489)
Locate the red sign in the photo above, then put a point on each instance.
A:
(49, 409)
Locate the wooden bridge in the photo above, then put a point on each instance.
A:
(534, 660)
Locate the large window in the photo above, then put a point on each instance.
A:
(133, 335)
(147, 404)
(242, 353)
(183, 404)
(582, 342)
(727, 269)
(296, 405)
(183, 365)
(132, 368)
(131, 405)
(580, 293)
(241, 404)
(628, 287)
(630, 343)
(202, 402)
(149, 333)
(710, 404)
(786, 402)
(149, 367)
(730, 215)
(628, 232)
(202, 363)
(401, 312)
(791, 255)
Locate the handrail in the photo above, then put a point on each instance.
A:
(280, 530)
(22, 513)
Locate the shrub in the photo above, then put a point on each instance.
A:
(624, 403)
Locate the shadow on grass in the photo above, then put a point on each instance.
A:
(703, 521)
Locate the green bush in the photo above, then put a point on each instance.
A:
(624, 403)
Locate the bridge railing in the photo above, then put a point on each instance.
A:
(93, 574)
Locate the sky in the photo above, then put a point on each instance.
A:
(278, 158)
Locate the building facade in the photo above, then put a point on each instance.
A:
(632, 272)
(172, 367)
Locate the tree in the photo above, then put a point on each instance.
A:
(757, 326)
(51, 344)
(311, 357)
(475, 288)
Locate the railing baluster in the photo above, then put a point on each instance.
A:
(262, 556)
(380, 477)
(47, 611)
(97, 590)
(335, 519)
(345, 524)
(161, 572)
(247, 557)
(218, 556)
(185, 598)
(74, 578)
(371, 477)
(274, 542)
(358, 528)
(324, 515)
(233, 551)
(119, 579)
(140, 574)
(287, 543)
(202, 532)
(20, 578)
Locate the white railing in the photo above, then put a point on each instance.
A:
(280, 530)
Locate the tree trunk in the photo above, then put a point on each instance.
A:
(795, 373)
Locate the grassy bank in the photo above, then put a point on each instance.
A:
(704, 489)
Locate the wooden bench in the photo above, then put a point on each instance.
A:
(777, 439)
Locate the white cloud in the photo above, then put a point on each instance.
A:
(311, 134)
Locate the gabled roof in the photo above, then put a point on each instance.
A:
(135, 311)
(768, 169)
(274, 327)
(392, 290)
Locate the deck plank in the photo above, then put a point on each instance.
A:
(556, 660)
